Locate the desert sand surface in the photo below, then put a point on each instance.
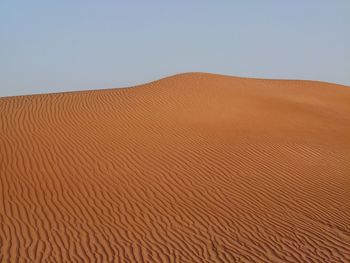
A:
(191, 168)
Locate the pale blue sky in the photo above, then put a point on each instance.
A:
(51, 46)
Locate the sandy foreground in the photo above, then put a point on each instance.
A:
(191, 168)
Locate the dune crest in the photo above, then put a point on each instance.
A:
(191, 168)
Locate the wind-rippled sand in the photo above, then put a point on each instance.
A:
(191, 168)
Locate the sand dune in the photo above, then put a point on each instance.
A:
(191, 168)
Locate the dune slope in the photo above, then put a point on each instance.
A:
(191, 168)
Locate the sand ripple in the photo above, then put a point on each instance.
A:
(191, 168)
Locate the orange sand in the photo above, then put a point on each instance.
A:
(191, 168)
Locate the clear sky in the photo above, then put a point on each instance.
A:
(50, 46)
